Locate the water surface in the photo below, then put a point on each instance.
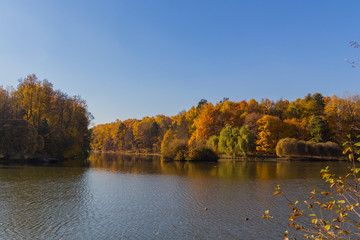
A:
(130, 197)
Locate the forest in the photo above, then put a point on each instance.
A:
(313, 126)
(37, 121)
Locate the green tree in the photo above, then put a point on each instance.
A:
(228, 140)
(319, 130)
(246, 140)
(201, 102)
(213, 143)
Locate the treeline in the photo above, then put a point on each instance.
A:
(235, 128)
(38, 121)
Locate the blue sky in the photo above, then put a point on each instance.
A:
(130, 59)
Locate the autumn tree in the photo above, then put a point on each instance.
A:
(205, 125)
(312, 105)
(192, 128)
(253, 106)
(270, 132)
(251, 120)
(146, 133)
(294, 109)
(201, 103)
(267, 106)
(18, 138)
(343, 116)
(280, 108)
(296, 128)
(229, 113)
(67, 118)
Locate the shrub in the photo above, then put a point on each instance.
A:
(213, 143)
(203, 154)
(333, 213)
(176, 150)
(290, 147)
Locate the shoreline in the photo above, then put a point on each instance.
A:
(224, 158)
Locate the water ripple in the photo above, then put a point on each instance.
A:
(169, 201)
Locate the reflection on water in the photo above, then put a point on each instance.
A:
(132, 197)
(266, 170)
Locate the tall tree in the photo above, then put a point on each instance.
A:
(271, 130)
(319, 129)
(228, 140)
(246, 141)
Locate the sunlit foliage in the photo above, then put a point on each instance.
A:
(61, 121)
(313, 117)
(333, 212)
(271, 130)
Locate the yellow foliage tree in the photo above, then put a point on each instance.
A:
(271, 130)
(205, 125)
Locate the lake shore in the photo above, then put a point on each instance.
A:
(224, 158)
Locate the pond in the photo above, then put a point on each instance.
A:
(133, 197)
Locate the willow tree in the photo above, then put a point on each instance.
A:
(228, 140)
(246, 141)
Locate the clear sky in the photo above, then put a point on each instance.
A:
(130, 59)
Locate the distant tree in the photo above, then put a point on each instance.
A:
(228, 140)
(253, 106)
(167, 140)
(224, 100)
(319, 130)
(280, 108)
(246, 141)
(251, 121)
(319, 103)
(120, 135)
(146, 133)
(312, 105)
(294, 109)
(17, 138)
(267, 106)
(295, 128)
(213, 143)
(205, 125)
(129, 142)
(271, 130)
(201, 102)
(229, 113)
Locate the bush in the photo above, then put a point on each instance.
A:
(213, 143)
(203, 154)
(290, 147)
(177, 150)
(330, 214)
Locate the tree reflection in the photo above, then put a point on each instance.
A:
(264, 169)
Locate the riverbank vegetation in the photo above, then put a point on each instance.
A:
(37, 121)
(292, 148)
(237, 128)
(333, 212)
